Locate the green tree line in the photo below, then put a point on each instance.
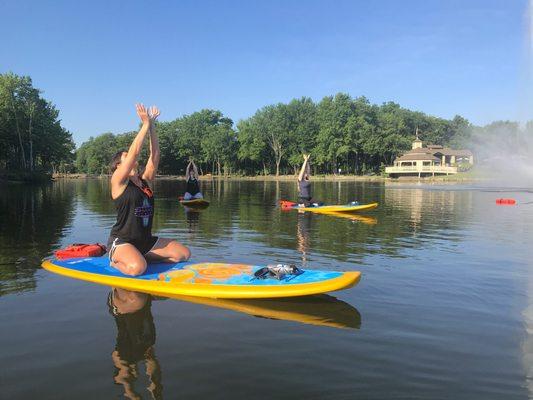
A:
(339, 131)
(31, 136)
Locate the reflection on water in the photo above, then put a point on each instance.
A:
(303, 229)
(528, 342)
(136, 335)
(445, 295)
(193, 219)
(320, 310)
(364, 219)
(136, 330)
(31, 221)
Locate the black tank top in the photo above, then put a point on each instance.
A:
(135, 211)
(304, 187)
(192, 186)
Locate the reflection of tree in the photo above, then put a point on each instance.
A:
(135, 341)
(406, 217)
(33, 219)
(417, 215)
(96, 195)
(169, 213)
(430, 211)
(290, 230)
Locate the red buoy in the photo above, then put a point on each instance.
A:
(506, 202)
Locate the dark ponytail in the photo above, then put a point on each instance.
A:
(116, 160)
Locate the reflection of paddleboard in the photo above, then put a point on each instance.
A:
(354, 217)
(195, 203)
(322, 309)
(204, 279)
(347, 208)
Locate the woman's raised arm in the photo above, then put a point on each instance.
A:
(121, 174)
(187, 170)
(303, 170)
(150, 170)
(195, 169)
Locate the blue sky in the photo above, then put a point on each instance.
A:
(95, 59)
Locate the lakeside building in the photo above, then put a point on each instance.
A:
(429, 161)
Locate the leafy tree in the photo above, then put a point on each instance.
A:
(338, 131)
(252, 146)
(219, 146)
(333, 115)
(303, 129)
(31, 135)
(271, 123)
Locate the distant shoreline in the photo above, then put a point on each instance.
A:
(284, 178)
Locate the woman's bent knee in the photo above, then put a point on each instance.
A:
(180, 253)
(186, 253)
(135, 268)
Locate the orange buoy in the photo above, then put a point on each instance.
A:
(506, 202)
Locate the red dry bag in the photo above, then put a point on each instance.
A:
(77, 250)
(287, 204)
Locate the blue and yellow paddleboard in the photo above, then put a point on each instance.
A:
(347, 208)
(215, 280)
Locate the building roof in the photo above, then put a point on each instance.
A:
(414, 156)
(452, 152)
(432, 152)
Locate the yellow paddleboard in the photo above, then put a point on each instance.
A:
(195, 203)
(348, 208)
(215, 280)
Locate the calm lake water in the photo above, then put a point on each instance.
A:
(442, 311)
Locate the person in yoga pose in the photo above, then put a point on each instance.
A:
(193, 182)
(131, 243)
(304, 184)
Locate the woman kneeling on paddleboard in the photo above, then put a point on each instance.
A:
(304, 184)
(193, 184)
(131, 242)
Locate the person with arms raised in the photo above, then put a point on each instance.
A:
(193, 182)
(131, 243)
(304, 184)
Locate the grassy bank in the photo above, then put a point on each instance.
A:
(25, 176)
(366, 178)
(460, 177)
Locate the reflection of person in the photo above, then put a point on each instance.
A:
(135, 341)
(193, 218)
(304, 183)
(131, 241)
(303, 228)
(193, 182)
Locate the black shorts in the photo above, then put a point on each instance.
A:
(144, 246)
(306, 201)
